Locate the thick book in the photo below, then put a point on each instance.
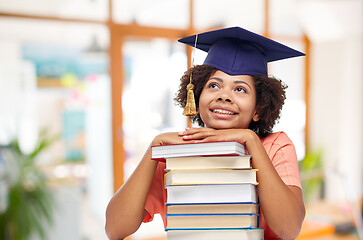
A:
(212, 208)
(210, 162)
(214, 234)
(211, 221)
(210, 176)
(204, 193)
(161, 152)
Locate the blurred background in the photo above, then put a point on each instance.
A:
(85, 85)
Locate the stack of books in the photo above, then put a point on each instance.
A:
(211, 191)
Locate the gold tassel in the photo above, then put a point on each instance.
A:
(190, 108)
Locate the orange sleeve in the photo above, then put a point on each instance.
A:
(282, 153)
(157, 195)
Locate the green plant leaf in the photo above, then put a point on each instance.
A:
(312, 173)
(31, 203)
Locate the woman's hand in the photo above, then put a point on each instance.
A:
(211, 135)
(169, 138)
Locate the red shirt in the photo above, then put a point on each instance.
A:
(279, 148)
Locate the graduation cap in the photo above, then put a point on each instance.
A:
(237, 51)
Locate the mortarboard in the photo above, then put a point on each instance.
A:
(237, 51)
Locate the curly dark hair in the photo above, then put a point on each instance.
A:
(270, 97)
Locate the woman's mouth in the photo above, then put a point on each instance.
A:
(223, 111)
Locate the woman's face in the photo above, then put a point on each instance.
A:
(228, 101)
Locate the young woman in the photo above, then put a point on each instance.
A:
(235, 100)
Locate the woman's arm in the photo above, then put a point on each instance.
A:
(282, 205)
(125, 211)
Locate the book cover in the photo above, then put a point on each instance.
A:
(214, 234)
(209, 221)
(161, 152)
(210, 176)
(209, 162)
(220, 193)
(212, 208)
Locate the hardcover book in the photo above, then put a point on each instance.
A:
(211, 221)
(161, 152)
(210, 162)
(212, 208)
(210, 176)
(213, 234)
(205, 193)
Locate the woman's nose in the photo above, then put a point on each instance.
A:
(224, 95)
(224, 99)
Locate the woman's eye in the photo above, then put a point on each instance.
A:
(213, 85)
(240, 89)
